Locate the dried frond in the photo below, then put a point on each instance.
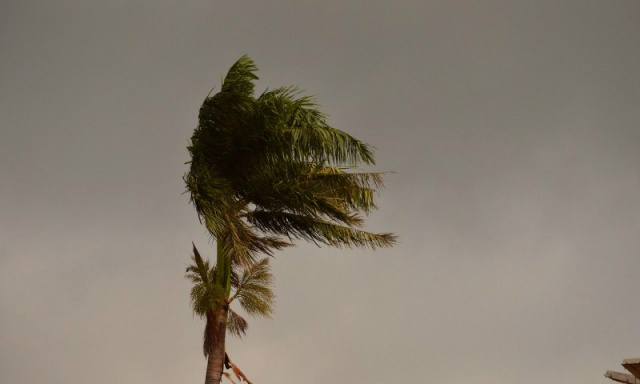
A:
(228, 376)
(239, 374)
(209, 336)
(236, 324)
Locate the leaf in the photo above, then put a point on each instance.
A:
(254, 290)
(239, 374)
(236, 324)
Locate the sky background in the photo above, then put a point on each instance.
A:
(513, 129)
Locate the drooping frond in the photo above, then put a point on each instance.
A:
(236, 324)
(239, 374)
(243, 243)
(254, 291)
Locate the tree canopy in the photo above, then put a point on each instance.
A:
(267, 170)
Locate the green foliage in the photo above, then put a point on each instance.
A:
(206, 295)
(252, 290)
(269, 169)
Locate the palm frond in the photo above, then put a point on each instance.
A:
(239, 79)
(239, 374)
(198, 272)
(254, 291)
(205, 294)
(314, 190)
(206, 297)
(303, 133)
(236, 324)
(317, 230)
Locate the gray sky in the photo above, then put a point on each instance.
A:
(512, 126)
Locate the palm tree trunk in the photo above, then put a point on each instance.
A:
(216, 352)
(215, 360)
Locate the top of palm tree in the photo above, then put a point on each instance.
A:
(269, 169)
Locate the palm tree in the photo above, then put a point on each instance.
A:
(267, 170)
(252, 290)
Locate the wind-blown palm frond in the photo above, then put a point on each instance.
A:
(199, 271)
(239, 79)
(303, 133)
(315, 191)
(317, 230)
(254, 290)
(205, 293)
(242, 243)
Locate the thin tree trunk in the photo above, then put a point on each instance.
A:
(216, 352)
(216, 349)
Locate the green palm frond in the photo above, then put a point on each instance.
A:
(317, 230)
(199, 271)
(303, 133)
(239, 79)
(356, 190)
(205, 298)
(314, 190)
(205, 295)
(254, 291)
(243, 243)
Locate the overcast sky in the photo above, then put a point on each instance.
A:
(513, 129)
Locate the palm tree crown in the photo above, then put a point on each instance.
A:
(269, 169)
